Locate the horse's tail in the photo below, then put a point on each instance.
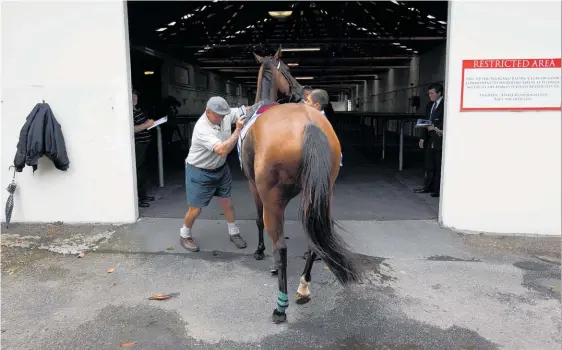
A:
(314, 212)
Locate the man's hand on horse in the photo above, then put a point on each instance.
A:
(240, 123)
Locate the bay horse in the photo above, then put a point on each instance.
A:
(289, 149)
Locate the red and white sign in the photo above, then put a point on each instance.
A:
(532, 84)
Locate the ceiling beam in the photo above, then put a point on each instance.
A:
(303, 68)
(317, 79)
(323, 77)
(315, 42)
(320, 85)
(307, 59)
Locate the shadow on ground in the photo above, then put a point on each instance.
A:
(74, 303)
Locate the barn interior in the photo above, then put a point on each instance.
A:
(375, 59)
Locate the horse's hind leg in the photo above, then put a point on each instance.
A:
(274, 214)
(258, 255)
(303, 293)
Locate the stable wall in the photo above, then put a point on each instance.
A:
(501, 170)
(193, 87)
(75, 56)
(397, 85)
(431, 70)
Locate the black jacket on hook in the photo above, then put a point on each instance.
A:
(41, 135)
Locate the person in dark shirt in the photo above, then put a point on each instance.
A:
(142, 141)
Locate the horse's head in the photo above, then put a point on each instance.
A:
(274, 77)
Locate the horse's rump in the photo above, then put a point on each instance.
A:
(277, 138)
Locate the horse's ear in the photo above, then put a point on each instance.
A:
(278, 53)
(259, 59)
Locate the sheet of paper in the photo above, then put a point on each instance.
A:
(158, 122)
(420, 123)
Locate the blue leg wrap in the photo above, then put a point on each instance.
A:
(282, 301)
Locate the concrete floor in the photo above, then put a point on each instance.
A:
(363, 191)
(426, 288)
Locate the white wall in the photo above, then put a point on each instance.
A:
(501, 170)
(75, 56)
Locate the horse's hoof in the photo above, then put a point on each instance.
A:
(278, 317)
(273, 270)
(302, 299)
(259, 255)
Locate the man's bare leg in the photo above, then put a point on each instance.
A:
(186, 239)
(233, 230)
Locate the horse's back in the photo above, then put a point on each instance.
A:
(290, 119)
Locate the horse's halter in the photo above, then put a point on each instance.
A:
(273, 63)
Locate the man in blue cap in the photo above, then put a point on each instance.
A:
(206, 172)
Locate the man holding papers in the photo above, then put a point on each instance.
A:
(142, 141)
(432, 142)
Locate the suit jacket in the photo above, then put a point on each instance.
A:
(431, 139)
(41, 135)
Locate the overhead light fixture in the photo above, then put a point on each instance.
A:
(442, 22)
(304, 78)
(300, 49)
(172, 24)
(396, 44)
(148, 72)
(280, 14)
(430, 17)
(292, 64)
(161, 29)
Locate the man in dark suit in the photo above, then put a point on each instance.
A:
(432, 142)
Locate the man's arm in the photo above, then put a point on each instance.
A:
(424, 133)
(214, 144)
(224, 148)
(441, 121)
(141, 127)
(144, 122)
